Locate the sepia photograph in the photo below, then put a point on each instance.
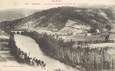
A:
(57, 35)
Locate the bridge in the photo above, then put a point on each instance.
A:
(17, 31)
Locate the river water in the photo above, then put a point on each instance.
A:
(28, 45)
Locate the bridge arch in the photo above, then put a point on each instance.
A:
(17, 32)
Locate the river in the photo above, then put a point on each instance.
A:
(28, 45)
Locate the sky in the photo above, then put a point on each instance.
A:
(45, 4)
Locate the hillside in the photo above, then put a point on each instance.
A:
(77, 50)
(57, 18)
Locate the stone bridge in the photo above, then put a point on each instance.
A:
(17, 32)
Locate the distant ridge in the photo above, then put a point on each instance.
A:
(96, 18)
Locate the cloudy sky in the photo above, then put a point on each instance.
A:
(44, 4)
